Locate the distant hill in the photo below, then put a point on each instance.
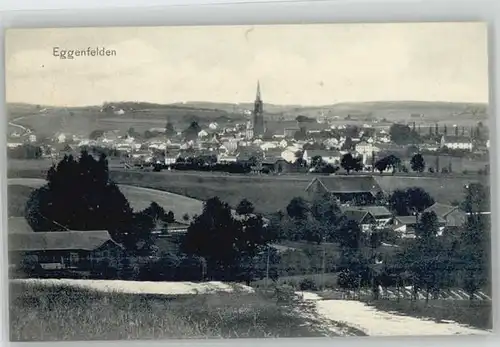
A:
(144, 115)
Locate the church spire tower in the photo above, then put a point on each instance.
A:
(258, 114)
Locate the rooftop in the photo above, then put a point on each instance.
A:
(376, 211)
(349, 184)
(58, 240)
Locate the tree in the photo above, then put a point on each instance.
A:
(300, 135)
(132, 132)
(390, 161)
(325, 209)
(350, 163)
(298, 208)
(25, 151)
(398, 202)
(191, 133)
(79, 195)
(417, 163)
(413, 200)
(401, 134)
(170, 130)
(476, 199)
(348, 144)
(418, 200)
(427, 225)
(474, 254)
(96, 134)
(326, 214)
(245, 207)
(349, 235)
(317, 161)
(381, 165)
(222, 240)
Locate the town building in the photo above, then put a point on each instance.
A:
(329, 157)
(365, 148)
(456, 142)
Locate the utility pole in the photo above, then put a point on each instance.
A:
(267, 267)
(323, 265)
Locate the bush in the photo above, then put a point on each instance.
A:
(307, 284)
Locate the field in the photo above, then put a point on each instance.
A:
(50, 313)
(268, 193)
(83, 120)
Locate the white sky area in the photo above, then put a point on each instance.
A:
(313, 64)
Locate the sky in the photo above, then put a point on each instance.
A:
(313, 64)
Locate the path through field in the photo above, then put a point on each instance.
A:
(377, 323)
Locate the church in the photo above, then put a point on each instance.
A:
(257, 128)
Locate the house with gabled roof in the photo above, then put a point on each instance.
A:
(381, 214)
(365, 219)
(353, 190)
(407, 225)
(64, 250)
(453, 216)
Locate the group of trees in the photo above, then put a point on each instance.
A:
(25, 151)
(79, 195)
(230, 244)
(436, 261)
(417, 164)
(402, 134)
(389, 162)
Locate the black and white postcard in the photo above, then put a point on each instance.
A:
(312, 180)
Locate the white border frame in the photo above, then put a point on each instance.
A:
(51, 13)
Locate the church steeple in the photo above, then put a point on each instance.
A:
(258, 114)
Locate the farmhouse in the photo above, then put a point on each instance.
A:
(406, 225)
(381, 215)
(357, 190)
(453, 216)
(64, 250)
(364, 218)
(456, 142)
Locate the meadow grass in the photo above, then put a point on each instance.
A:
(52, 313)
(268, 193)
(477, 314)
